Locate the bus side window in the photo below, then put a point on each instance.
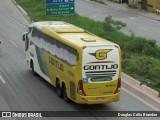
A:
(65, 54)
(72, 57)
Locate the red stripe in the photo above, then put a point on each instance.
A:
(101, 62)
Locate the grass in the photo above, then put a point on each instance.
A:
(144, 68)
(140, 57)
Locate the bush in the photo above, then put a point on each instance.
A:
(143, 46)
(111, 25)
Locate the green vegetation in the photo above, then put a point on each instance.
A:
(140, 57)
(110, 25)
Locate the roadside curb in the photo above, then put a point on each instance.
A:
(22, 11)
(135, 86)
(147, 16)
(138, 11)
(132, 81)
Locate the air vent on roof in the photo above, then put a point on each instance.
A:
(88, 39)
(68, 30)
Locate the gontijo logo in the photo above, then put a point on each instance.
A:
(101, 54)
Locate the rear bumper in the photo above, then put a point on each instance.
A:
(98, 99)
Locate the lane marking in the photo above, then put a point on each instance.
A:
(143, 28)
(12, 18)
(132, 94)
(1, 78)
(19, 13)
(14, 43)
(132, 18)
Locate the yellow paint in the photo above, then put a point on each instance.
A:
(55, 72)
(72, 74)
(152, 5)
(101, 54)
(157, 4)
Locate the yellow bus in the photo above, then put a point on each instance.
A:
(81, 66)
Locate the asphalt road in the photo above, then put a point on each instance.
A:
(22, 91)
(141, 26)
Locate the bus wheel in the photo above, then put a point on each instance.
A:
(32, 67)
(58, 88)
(65, 94)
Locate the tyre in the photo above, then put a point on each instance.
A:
(59, 90)
(65, 94)
(32, 67)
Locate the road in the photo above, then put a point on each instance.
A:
(22, 91)
(141, 26)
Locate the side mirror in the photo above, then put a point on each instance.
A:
(24, 36)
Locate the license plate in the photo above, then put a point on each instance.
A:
(100, 99)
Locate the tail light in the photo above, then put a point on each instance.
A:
(83, 47)
(116, 46)
(118, 86)
(80, 88)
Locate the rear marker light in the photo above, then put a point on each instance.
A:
(83, 47)
(80, 88)
(118, 86)
(116, 46)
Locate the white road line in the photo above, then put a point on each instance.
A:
(1, 78)
(12, 18)
(20, 14)
(132, 94)
(132, 18)
(143, 28)
(14, 43)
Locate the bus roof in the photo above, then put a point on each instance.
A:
(70, 33)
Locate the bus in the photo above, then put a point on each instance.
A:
(83, 67)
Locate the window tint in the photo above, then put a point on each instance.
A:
(56, 48)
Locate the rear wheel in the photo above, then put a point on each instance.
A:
(65, 94)
(58, 88)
